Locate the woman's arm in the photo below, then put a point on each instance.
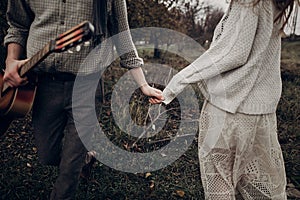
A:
(230, 51)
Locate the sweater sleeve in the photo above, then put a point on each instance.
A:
(19, 18)
(122, 37)
(231, 50)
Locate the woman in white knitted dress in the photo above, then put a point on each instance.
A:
(239, 76)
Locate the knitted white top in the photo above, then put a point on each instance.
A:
(240, 72)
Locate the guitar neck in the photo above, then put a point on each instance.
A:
(35, 59)
(32, 62)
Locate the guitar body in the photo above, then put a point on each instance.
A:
(15, 103)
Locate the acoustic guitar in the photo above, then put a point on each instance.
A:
(17, 102)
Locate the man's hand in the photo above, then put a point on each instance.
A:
(11, 76)
(155, 94)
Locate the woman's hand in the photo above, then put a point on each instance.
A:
(11, 76)
(155, 94)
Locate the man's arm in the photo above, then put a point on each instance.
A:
(19, 18)
(13, 64)
(122, 38)
(14, 52)
(126, 49)
(139, 77)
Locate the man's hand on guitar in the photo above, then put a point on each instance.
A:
(11, 76)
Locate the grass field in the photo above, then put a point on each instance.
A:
(22, 177)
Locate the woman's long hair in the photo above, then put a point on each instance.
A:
(286, 8)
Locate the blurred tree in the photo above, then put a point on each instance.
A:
(200, 19)
(192, 11)
(212, 18)
(193, 18)
(153, 13)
